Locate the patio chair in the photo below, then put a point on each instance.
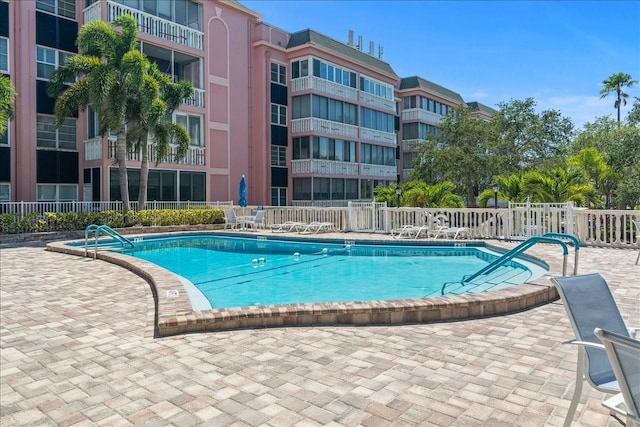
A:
(589, 305)
(315, 227)
(624, 355)
(287, 227)
(409, 231)
(256, 221)
(230, 219)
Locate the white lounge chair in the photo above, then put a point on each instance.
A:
(287, 227)
(451, 232)
(316, 226)
(409, 231)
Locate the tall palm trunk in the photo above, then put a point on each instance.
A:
(618, 92)
(121, 157)
(144, 174)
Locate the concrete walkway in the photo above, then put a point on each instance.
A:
(77, 348)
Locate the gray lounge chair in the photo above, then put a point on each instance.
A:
(624, 355)
(589, 305)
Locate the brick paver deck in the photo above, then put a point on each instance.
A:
(77, 348)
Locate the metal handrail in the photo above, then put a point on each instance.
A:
(518, 250)
(107, 231)
(576, 246)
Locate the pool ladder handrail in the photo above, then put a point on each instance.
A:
(517, 251)
(576, 246)
(107, 231)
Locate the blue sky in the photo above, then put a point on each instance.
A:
(557, 52)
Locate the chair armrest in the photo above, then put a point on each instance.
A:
(585, 344)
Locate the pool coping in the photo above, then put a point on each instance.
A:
(174, 314)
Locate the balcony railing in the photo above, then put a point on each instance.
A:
(371, 100)
(422, 116)
(313, 124)
(326, 167)
(322, 85)
(93, 148)
(379, 171)
(378, 136)
(410, 144)
(148, 24)
(197, 99)
(195, 155)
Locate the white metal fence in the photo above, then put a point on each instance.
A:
(598, 227)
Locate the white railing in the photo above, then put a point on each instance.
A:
(421, 116)
(92, 13)
(197, 99)
(378, 136)
(194, 156)
(93, 148)
(328, 167)
(313, 124)
(592, 227)
(371, 100)
(149, 24)
(378, 170)
(325, 86)
(410, 144)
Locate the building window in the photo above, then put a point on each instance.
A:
(57, 192)
(4, 55)
(299, 69)
(192, 124)
(183, 12)
(5, 192)
(66, 8)
(4, 138)
(47, 60)
(278, 156)
(278, 114)
(63, 138)
(377, 155)
(319, 147)
(377, 120)
(382, 90)
(333, 73)
(278, 196)
(278, 73)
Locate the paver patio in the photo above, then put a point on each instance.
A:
(77, 348)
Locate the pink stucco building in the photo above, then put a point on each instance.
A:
(306, 118)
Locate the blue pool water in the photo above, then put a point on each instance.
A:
(234, 272)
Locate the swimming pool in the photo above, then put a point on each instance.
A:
(172, 311)
(223, 272)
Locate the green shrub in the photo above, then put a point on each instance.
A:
(70, 221)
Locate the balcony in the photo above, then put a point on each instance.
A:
(410, 144)
(389, 172)
(377, 136)
(93, 151)
(324, 167)
(422, 116)
(370, 100)
(313, 124)
(196, 100)
(325, 86)
(148, 24)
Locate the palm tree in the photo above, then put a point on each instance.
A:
(509, 189)
(109, 70)
(155, 100)
(558, 186)
(419, 193)
(7, 95)
(615, 83)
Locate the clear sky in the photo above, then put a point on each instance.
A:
(557, 52)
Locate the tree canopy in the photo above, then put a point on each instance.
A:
(7, 96)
